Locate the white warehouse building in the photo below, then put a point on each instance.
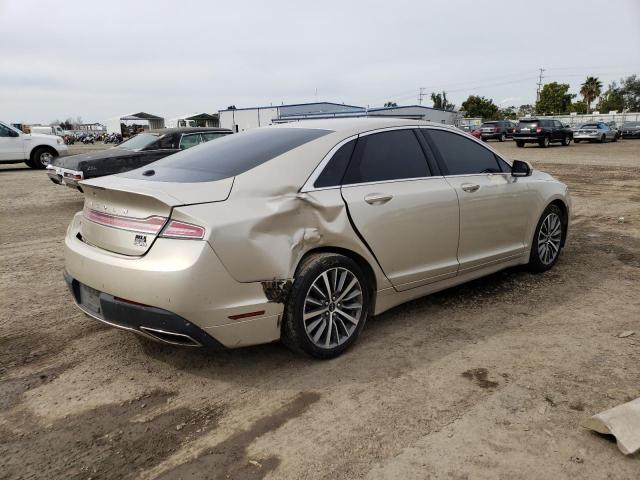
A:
(241, 119)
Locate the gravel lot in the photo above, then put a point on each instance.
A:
(487, 380)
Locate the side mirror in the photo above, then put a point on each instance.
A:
(567, 126)
(521, 169)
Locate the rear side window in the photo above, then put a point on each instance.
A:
(228, 156)
(392, 155)
(333, 171)
(463, 156)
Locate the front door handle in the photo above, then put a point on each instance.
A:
(377, 198)
(469, 187)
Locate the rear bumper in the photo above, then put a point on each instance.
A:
(63, 176)
(180, 281)
(527, 138)
(586, 137)
(155, 323)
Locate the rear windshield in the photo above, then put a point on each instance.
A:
(631, 124)
(528, 123)
(591, 125)
(139, 141)
(489, 124)
(226, 157)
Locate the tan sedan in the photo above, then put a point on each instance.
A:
(299, 232)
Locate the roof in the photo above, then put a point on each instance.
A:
(189, 130)
(196, 116)
(293, 105)
(140, 116)
(400, 107)
(354, 125)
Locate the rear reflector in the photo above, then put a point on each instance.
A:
(176, 229)
(151, 225)
(246, 315)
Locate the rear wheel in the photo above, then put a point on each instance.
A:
(503, 137)
(547, 240)
(327, 306)
(41, 157)
(544, 143)
(519, 144)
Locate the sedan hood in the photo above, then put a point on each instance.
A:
(75, 162)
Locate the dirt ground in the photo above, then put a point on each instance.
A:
(487, 380)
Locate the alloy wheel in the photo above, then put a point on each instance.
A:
(549, 238)
(45, 158)
(333, 307)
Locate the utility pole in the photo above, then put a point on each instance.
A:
(421, 95)
(539, 84)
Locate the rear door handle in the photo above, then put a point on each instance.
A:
(377, 198)
(469, 187)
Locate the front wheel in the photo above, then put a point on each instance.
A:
(566, 140)
(603, 138)
(503, 137)
(41, 157)
(327, 306)
(519, 144)
(547, 240)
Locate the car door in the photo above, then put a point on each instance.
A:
(11, 146)
(494, 206)
(405, 211)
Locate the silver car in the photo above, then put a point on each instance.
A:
(595, 132)
(301, 231)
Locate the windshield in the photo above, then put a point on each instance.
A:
(139, 141)
(227, 156)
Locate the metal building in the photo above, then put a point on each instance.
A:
(240, 119)
(245, 118)
(141, 118)
(194, 120)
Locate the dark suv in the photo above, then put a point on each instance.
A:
(499, 130)
(542, 131)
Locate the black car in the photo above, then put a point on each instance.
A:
(542, 131)
(136, 152)
(498, 130)
(630, 130)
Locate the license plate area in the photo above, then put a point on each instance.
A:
(90, 299)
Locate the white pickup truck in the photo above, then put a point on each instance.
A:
(34, 149)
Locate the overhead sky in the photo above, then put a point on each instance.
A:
(101, 59)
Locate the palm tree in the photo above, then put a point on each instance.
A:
(591, 89)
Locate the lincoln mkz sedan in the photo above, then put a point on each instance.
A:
(300, 232)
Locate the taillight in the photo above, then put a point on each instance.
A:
(73, 176)
(151, 225)
(538, 130)
(176, 229)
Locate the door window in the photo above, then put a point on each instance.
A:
(463, 156)
(391, 155)
(4, 131)
(212, 135)
(189, 141)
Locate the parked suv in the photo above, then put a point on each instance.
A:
(34, 149)
(542, 131)
(499, 130)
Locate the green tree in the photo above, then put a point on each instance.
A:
(611, 99)
(476, 106)
(507, 113)
(554, 98)
(527, 109)
(590, 90)
(630, 87)
(579, 107)
(390, 104)
(440, 101)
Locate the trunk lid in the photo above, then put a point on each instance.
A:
(125, 216)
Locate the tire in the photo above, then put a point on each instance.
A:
(41, 157)
(503, 137)
(603, 138)
(566, 141)
(312, 335)
(544, 143)
(519, 144)
(545, 248)
(615, 139)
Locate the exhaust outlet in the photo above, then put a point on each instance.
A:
(171, 338)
